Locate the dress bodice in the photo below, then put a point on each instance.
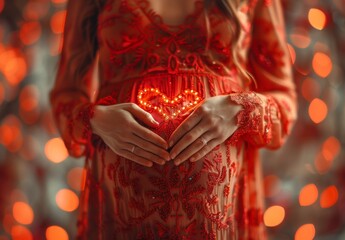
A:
(134, 41)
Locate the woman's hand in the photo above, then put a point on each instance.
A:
(117, 125)
(209, 125)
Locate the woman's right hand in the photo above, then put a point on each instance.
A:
(117, 125)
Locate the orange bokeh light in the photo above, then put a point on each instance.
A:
(310, 89)
(321, 164)
(56, 233)
(317, 110)
(329, 197)
(28, 98)
(55, 150)
(274, 216)
(76, 178)
(322, 64)
(308, 195)
(30, 32)
(10, 133)
(67, 200)
(23, 213)
(21, 233)
(57, 22)
(14, 69)
(35, 10)
(305, 232)
(300, 38)
(59, 1)
(317, 18)
(331, 148)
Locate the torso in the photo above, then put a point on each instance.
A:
(156, 54)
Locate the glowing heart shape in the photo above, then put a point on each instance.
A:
(152, 100)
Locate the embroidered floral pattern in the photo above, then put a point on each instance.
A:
(168, 71)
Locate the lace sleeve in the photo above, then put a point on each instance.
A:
(270, 111)
(74, 85)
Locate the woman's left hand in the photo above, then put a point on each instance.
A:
(208, 126)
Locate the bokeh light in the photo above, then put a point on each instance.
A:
(23, 213)
(67, 200)
(55, 150)
(10, 133)
(56, 233)
(274, 216)
(322, 64)
(317, 110)
(305, 232)
(310, 89)
(329, 197)
(308, 195)
(57, 22)
(300, 38)
(321, 164)
(19, 232)
(317, 18)
(331, 148)
(13, 66)
(59, 1)
(30, 32)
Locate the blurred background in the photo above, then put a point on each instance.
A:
(40, 183)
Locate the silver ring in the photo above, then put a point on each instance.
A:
(203, 140)
(132, 150)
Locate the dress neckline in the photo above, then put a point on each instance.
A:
(158, 20)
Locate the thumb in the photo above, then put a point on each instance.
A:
(143, 116)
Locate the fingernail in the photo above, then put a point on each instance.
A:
(172, 155)
(154, 121)
(177, 162)
(192, 159)
(162, 162)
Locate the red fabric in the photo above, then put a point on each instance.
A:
(169, 70)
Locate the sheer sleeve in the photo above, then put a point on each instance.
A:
(269, 111)
(71, 94)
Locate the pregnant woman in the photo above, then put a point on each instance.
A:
(169, 101)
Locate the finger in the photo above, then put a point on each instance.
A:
(135, 158)
(142, 115)
(201, 128)
(147, 155)
(194, 148)
(136, 150)
(205, 150)
(148, 135)
(150, 147)
(185, 127)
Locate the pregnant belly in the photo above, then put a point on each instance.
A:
(169, 111)
(169, 98)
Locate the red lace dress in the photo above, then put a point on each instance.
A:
(168, 70)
